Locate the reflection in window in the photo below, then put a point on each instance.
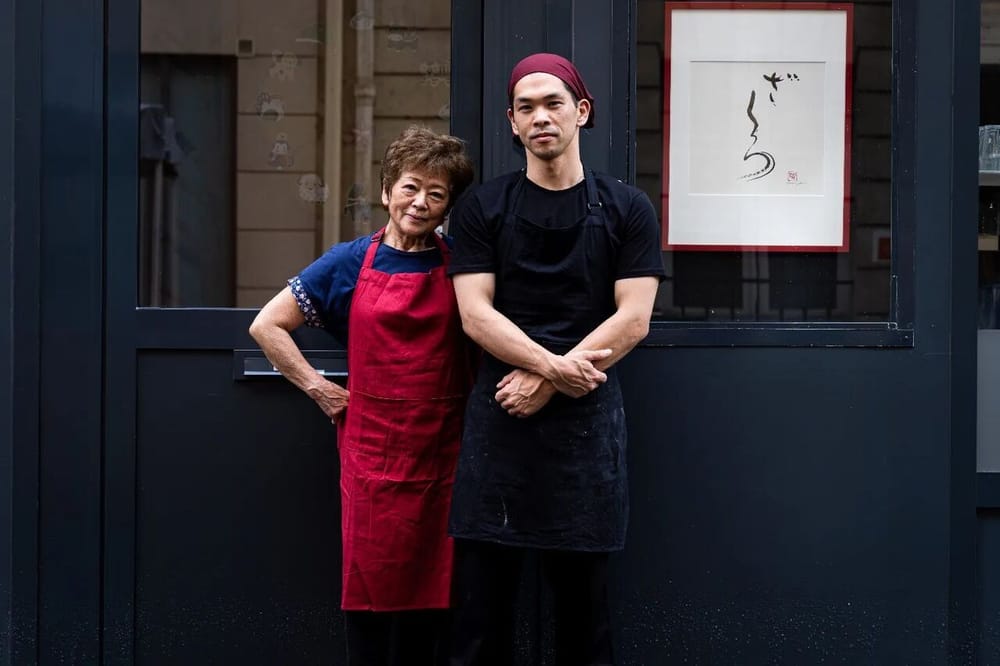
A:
(746, 285)
(262, 127)
(186, 180)
(989, 179)
(988, 352)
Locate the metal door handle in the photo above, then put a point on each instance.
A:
(252, 364)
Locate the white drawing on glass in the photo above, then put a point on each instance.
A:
(357, 206)
(281, 153)
(399, 39)
(283, 65)
(362, 21)
(270, 107)
(436, 73)
(757, 127)
(312, 189)
(313, 34)
(361, 138)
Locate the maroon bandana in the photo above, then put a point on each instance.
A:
(557, 66)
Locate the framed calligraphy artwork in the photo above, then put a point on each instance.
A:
(757, 126)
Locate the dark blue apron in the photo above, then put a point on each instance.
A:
(556, 479)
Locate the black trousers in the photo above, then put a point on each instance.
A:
(397, 638)
(486, 582)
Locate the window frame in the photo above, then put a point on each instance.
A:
(898, 330)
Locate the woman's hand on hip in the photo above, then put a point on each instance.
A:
(331, 398)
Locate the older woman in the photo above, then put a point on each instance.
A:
(388, 298)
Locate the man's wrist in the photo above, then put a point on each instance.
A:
(546, 367)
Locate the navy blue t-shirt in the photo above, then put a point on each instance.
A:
(324, 289)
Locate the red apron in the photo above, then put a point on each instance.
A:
(409, 378)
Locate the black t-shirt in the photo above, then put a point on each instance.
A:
(477, 216)
(553, 209)
(554, 278)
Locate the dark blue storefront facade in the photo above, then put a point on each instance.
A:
(802, 493)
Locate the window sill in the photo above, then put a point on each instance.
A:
(777, 334)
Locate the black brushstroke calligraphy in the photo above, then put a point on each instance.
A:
(756, 155)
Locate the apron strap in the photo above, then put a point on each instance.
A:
(515, 194)
(373, 248)
(593, 201)
(377, 238)
(443, 248)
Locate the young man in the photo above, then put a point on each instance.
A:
(555, 269)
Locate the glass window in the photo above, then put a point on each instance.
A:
(989, 256)
(262, 126)
(745, 249)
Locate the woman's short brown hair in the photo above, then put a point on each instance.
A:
(422, 149)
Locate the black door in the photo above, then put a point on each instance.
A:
(241, 143)
(220, 497)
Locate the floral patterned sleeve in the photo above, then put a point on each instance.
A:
(324, 288)
(305, 303)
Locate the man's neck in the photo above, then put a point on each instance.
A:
(560, 173)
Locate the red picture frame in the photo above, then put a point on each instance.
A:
(670, 8)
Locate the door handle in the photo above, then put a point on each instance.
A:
(251, 364)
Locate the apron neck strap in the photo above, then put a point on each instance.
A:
(377, 239)
(592, 199)
(442, 248)
(373, 248)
